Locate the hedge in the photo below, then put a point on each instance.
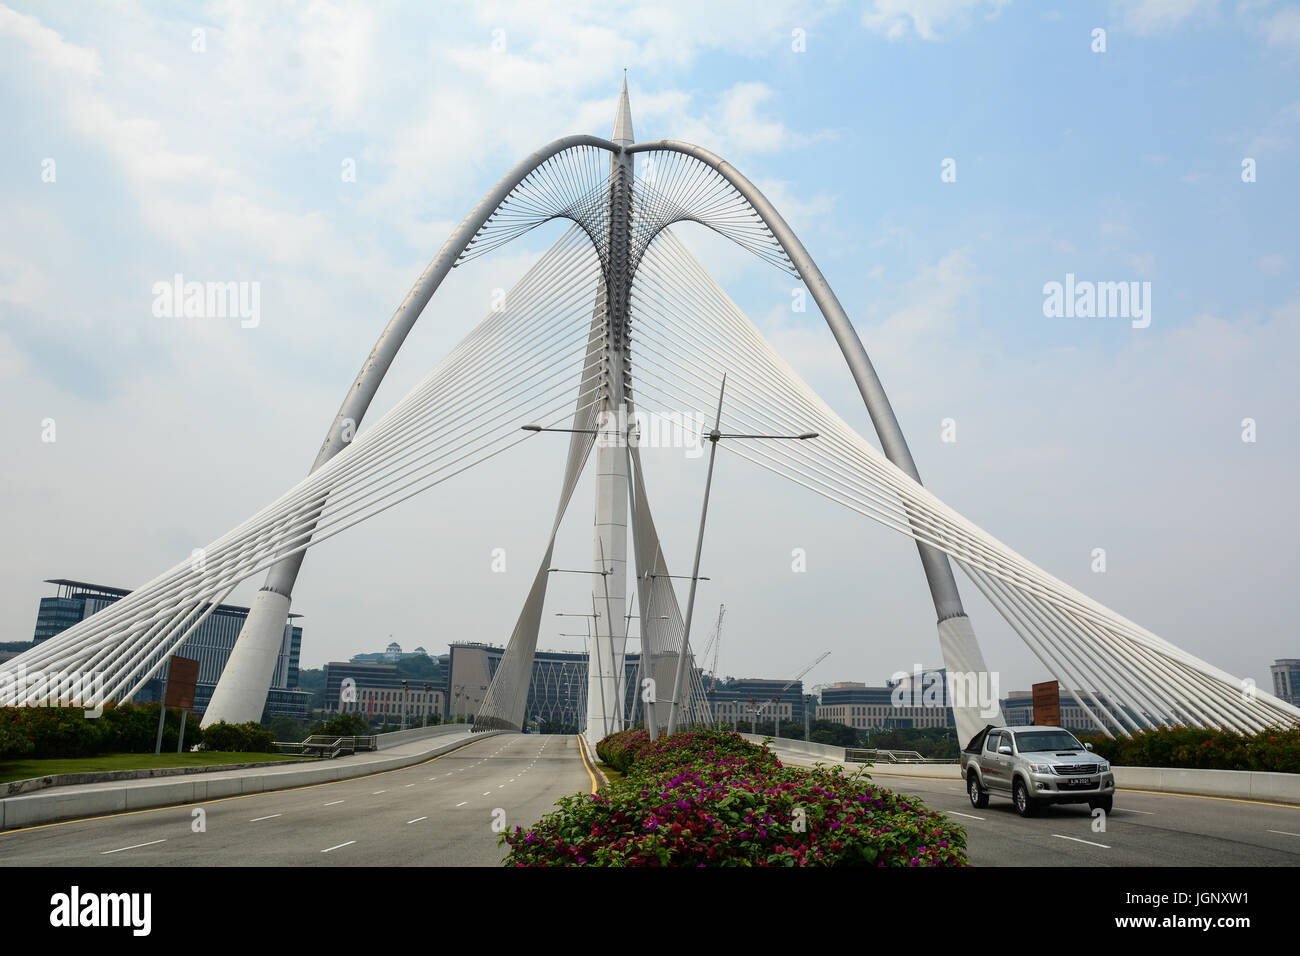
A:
(238, 738)
(68, 732)
(1276, 750)
(712, 798)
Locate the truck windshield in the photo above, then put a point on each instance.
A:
(1041, 740)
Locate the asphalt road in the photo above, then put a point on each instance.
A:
(447, 811)
(1145, 829)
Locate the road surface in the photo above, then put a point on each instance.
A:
(447, 811)
(1145, 829)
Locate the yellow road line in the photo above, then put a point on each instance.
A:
(240, 796)
(582, 751)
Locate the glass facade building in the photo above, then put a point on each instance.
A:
(732, 702)
(1286, 680)
(557, 693)
(210, 644)
(1018, 708)
(890, 707)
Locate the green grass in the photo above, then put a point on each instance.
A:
(610, 773)
(23, 769)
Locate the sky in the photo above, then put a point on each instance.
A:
(942, 160)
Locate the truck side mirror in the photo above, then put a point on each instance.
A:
(1087, 746)
(1004, 749)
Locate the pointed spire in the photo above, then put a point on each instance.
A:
(622, 135)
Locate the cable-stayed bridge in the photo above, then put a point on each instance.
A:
(616, 317)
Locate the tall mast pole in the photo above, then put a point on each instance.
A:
(609, 548)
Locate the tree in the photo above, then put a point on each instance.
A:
(832, 733)
(313, 682)
(344, 725)
(424, 668)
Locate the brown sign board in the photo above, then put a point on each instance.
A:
(1047, 704)
(182, 676)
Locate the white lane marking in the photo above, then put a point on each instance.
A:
(378, 792)
(260, 819)
(1061, 836)
(462, 803)
(958, 813)
(416, 820)
(487, 793)
(339, 847)
(333, 802)
(1143, 812)
(410, 785)
(1285, 833)
(499, 786)
(955, 790)
(135, 847)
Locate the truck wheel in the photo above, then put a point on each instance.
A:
(1104, 803)
(979, 797)
(1026, 805)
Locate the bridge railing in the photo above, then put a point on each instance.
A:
(863, 755)
(325, 745)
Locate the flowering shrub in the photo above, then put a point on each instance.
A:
(1275, 749)
(712, 798)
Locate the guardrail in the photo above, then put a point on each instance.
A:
(323, 745)
(862, 755)
(397, 737)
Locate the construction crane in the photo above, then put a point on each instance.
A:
(776, 698)
(716, 636)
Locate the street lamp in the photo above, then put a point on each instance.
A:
(650, 721)
(595, 647)
(714, 436)
(581, 704)
(459, 689)
(604, 573)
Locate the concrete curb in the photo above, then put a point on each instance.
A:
(32, 784)
(1229, 784)
(63, 804)
(592, 763)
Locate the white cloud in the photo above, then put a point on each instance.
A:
(928, 19)
(1273, 264)
(1284, 29)
(1153, 16)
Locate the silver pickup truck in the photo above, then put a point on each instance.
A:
(1034, 766)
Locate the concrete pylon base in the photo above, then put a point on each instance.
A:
(975, 692)
(240, 695)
